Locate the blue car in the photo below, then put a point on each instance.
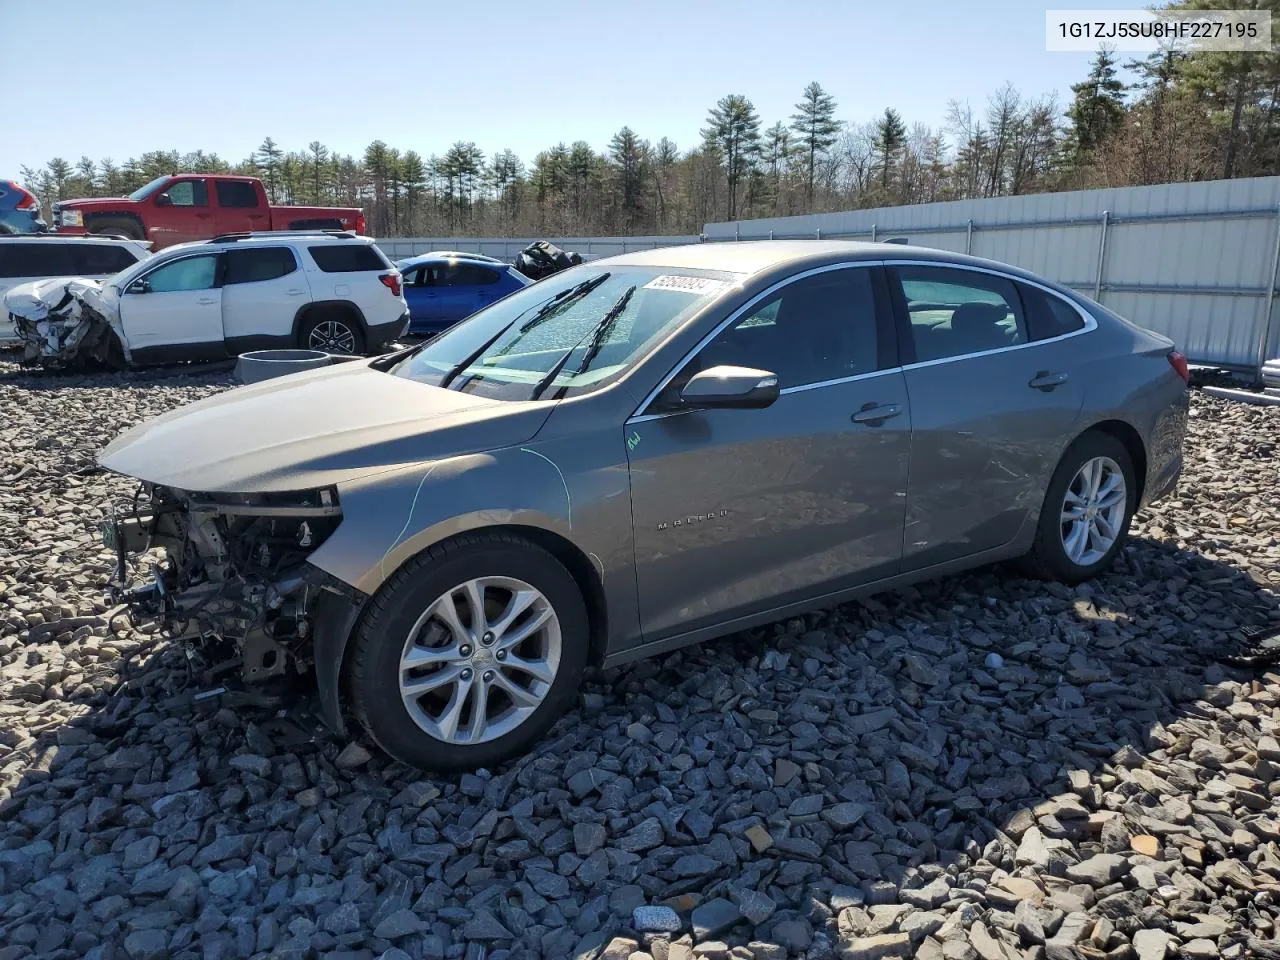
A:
(19, 210)
(444, 287)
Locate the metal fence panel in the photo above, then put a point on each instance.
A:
(1195, 261)
(507, 248)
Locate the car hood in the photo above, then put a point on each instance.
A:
(92, 203)
(313, 429)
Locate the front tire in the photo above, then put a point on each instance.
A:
(469, 653)
(1087, 510)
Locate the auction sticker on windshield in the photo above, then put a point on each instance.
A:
(700, 286)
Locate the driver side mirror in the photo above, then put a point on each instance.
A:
(139, 286)
(743, 388)
(164, 200)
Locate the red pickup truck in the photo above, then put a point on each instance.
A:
(196, 206)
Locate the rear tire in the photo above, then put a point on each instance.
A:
(421, 633)
(1087, 510)
(332, 331)
(118, 225)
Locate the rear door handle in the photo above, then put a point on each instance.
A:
(296, 293)
(1046, 381)
(875, 414)
(206, 301)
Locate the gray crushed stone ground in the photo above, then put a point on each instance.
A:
(983, 767)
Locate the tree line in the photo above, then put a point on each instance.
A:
(1183, 117)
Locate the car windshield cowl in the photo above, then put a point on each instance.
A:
(569, 334)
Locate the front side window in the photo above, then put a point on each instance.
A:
(193, 273)
(958, 312)
(188, 193)
(263, 263)
(574, 332)
(821, 327)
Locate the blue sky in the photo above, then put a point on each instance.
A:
(125, 76)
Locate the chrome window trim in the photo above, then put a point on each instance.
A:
(1090, 322)
(637, 417)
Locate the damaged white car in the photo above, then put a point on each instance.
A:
(331, 291)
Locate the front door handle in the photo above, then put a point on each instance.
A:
(206, 301)
(874, 414)
(1046, 381)
(296, 293)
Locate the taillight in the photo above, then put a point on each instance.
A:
(392, 282)
(1179, 363)
(25, 200)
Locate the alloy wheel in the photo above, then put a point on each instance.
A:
(1093, 511)
(332, 336)
(480, 660)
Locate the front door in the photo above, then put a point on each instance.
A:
(994, 401)
(262, 292)
(174, 312)
(741, 511)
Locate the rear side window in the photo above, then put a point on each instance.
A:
(254, 265)
(235, 193)
(348, 257)
(100, 258)
(955, 313)
(1048, 316)
(36, 259)
(466, 275)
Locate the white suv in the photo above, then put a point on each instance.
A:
(37, 256)
(325, 290)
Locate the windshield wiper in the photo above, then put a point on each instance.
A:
(563, 298)
(598, 336)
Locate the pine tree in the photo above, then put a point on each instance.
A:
(1098, 108)
(268, 159)
(816, 128)
(316, 167)
(628, 153)
(891, 136)
(733, 129)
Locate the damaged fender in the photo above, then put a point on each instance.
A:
(64, 322)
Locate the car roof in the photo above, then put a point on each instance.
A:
(757, 256)
(273, 238)
(445, 256)
(63, 238)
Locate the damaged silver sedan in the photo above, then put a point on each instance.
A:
(632, 455)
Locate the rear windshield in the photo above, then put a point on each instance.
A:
(348, 257)
(568, 334)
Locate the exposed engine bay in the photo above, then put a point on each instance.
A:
(232, 582)
(64, 323)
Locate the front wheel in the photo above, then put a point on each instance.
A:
(1087, 510)
(469, 653)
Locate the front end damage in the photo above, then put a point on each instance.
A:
(227, 575)
(65, 323)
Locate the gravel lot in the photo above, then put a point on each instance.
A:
(985, 767)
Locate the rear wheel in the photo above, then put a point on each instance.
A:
(1087, 510)
(331, 331)
(469, 654)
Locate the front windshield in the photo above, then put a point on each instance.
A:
(143, 192)
(605, 320)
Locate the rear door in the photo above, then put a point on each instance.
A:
(183, 213)
(262, 291)
(738, 512)
(174, 311)
(240, 207)
(992, 406)
(477, 285)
